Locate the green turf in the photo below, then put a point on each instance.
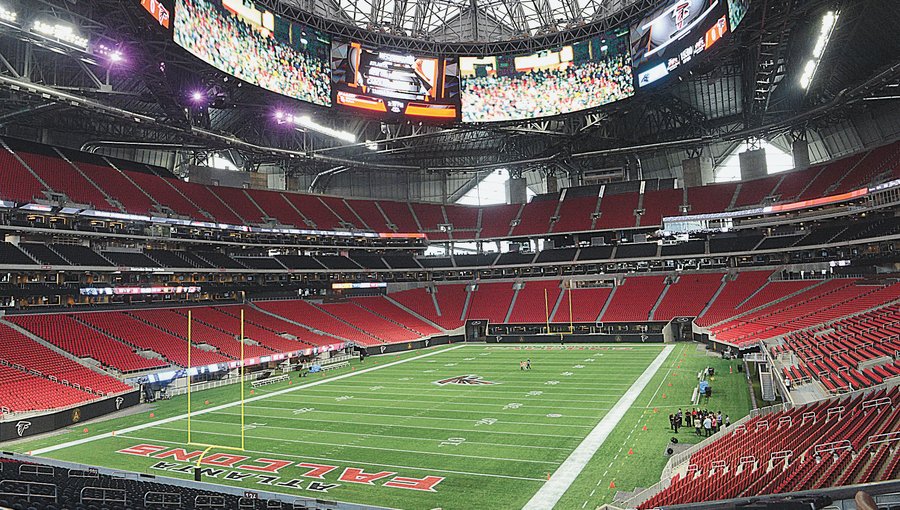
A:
(494, 445)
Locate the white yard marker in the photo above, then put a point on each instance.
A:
(143, 426)
(550, 493)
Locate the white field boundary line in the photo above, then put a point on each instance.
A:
(143, 426)
(669, 371)
(352, 446)
(405, 438)
(550, 493)
(358, 462)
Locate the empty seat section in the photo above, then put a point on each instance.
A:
(372, 324)
(753, 192)
(318, 319)
(575, 213)
(464, 220)
(259, 262)
(158, 188)
(879, 160)
(176, 258)
(219, 260)
(86, 342)
(119, 187)
(206, 200)
(400, 215)
(314, 210)
(805, 432)
(833, 172)
(401, 261)
(530, 305)
(794, 183)
(80, 255)
(369, 212)
(633, 299)
(660, 204)
(239, 202)
(21, 392)
(201, 333)
(59, 175)
(148, 338)
(535, 217)
(43, 254)
(491, 302)
(11, 254)
(430, 216)
(384, 308)
(774, 290)
(275, 206)
(343, 212)
(299, 262)
(617, 211)
(712, 198)
(17, 348)
(582, 305)
(129, 259)
(451, 298)
(16, 182)
(688, 296)
(734, 292)
(276, 325)
(496, 220)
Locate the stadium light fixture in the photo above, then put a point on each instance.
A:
(829, 20)
(7, 15)
(198, 96)
(60, 32)
(305, 121)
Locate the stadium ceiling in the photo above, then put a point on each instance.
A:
(744, 90)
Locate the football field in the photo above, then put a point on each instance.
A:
(454, 427)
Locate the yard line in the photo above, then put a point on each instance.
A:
(143, 426)
(546, 424)
(393, 436)
(484, 430)
(550, 493)
(515, 385)
(346, 445)
(356, 462)
(512, 393)
(531, 405)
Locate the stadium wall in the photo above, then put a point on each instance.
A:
(39, 424)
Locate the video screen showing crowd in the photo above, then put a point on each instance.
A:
(577, 77)
(257, 46)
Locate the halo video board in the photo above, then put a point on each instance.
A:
(666, 40)
(255, 45)
(550, 82)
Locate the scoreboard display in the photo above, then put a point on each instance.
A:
(393, 84)
(664, 42)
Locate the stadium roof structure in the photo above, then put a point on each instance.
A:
(744, 90)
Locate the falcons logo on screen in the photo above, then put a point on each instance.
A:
(22, 426)
(463, 379)
(681, 13)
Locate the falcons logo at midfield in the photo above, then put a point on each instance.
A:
(463, 379)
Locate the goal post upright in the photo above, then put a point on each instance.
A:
(241, 372)
(188, 374)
